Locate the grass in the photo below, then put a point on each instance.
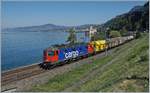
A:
(128, 60)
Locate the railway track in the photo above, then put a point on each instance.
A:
(20, 73)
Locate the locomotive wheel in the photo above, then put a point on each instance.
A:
(40, 65)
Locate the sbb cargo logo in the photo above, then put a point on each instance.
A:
(72, 54)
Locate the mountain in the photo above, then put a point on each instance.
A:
(49, 27)
(45, 27)
(137, 19)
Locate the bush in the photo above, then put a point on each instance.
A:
(98, 36)
(143, 58)
(124, 32)
(113, 34)
(138, 35)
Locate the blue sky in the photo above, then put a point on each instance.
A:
(17, 14)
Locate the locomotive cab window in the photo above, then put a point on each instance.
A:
(51, 53)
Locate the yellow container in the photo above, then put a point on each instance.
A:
(99, 45)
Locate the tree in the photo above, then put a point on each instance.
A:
(123, 32)
(114, 34)
(98, 36)
(72, 36)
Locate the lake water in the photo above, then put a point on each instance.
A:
(25, 48)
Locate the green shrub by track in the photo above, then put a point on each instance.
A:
(126, 61)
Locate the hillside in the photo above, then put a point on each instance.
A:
(48, 27)
(136, 19)
(45, 27)
(126, 69)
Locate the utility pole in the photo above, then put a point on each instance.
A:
(106, 40)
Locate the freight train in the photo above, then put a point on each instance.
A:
(60, 54)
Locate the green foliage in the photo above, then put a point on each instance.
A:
(98, 36)
(132, 21)
(123, 32)
(72, 37)
(138, 35)
(114, 33)
(144, 57)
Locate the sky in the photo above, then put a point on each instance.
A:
(31, 13)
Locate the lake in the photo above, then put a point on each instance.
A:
(25, 48)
